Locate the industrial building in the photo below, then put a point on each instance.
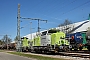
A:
(72, 28)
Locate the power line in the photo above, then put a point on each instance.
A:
(37, 20)
(57, 9)
(69, 10)
(24, 25)
(63, 6)
(53, 6)
(41, 2)
(77, 7)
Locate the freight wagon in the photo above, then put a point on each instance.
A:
(76, 41)
(79, 40)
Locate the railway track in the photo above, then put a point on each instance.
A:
(82, 55)
(66, 55)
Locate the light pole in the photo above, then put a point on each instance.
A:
(18, 30)
(31, 29)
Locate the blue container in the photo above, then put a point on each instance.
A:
(75, 37)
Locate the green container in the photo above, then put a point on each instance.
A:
(84, 38)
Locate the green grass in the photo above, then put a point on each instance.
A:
(2, 50)
(35, 56)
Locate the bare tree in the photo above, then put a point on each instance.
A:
(66, 27)
(6, 39)
(66, 22)
(16, 38)
(1, 42)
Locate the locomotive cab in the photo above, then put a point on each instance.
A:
(25, 45)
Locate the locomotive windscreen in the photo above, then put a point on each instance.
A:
(44, 33)
(53, 31)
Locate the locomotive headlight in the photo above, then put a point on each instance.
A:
(60, 47)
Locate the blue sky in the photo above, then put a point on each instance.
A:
(55, 11)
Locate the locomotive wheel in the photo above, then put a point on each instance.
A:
(80, 48)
